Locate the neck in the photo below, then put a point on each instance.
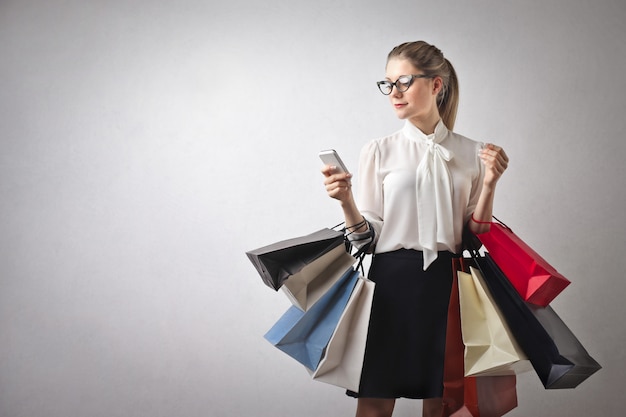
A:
(426, 124)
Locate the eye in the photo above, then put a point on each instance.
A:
(404, 81)
(385, 87)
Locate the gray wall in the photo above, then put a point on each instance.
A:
(147, 145)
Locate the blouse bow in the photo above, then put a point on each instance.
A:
(434, 196)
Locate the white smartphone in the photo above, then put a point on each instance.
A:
(330, 157)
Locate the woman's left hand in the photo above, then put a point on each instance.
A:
(495, 160)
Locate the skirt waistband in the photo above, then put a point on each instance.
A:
(412, 253)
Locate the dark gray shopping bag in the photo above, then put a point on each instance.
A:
(278, 261)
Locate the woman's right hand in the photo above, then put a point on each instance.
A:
(338, 184)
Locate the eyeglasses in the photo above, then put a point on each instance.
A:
(402, 83)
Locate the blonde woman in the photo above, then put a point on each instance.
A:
(418, 188)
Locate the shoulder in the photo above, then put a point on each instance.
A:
(382, 143)
(460, 140)
(462, 145)
(466, 153)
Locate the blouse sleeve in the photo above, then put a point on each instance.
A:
(370, 188)
(477, 186)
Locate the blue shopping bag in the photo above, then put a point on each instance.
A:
(304, 335)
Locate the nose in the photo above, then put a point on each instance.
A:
(395, 92)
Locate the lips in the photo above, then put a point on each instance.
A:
(399, 105)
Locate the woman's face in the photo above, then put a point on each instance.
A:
(419, 102)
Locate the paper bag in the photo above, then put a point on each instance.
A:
(304, 335)
(343, 360)
(490, 348)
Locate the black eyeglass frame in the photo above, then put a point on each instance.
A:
(412, 77)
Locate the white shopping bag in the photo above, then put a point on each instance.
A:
(343, 360)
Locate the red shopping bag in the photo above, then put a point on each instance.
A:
(533, 277)
(488, 396)
(454, 368)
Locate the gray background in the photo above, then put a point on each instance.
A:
(146, 145)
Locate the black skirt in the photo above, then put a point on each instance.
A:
(405, 346)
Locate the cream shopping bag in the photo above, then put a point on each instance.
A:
(490, 348)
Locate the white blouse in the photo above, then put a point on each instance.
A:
(418, 191)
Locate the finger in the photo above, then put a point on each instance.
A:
(331, 183)
(495, 165)
(504, 155)
(499, 156)
(488, 158)
(486, 153)
(342, 176)
(489, 152)
(494, 150)
(327, 170)
(498, 159)
(338, 192)
(502, 158)
(499, 166)
(331, 169)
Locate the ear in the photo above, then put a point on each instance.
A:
(437, 85)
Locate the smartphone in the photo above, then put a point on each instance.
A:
(330, 157)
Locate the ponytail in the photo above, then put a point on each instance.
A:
(448, 102)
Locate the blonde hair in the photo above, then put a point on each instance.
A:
(430, 60)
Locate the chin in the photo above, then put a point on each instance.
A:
(400, 113)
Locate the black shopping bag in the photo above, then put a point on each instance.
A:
(557, 356)
(278, 261)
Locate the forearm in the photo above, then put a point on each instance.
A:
(479, 222)
(495, 161)
(355, 222)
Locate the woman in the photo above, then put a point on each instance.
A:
(418, 189)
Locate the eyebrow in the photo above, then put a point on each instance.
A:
(399, 76)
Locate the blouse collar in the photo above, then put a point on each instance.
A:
(414, 133)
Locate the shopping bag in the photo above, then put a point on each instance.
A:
(304, 335)
(557, 356)
(488, 396)
(313, 281)
(568, 345)
(490, 348)
(496, 395)
(342, 362)
(453, 368)
(483, 396)
(278, 261)
(533, 277)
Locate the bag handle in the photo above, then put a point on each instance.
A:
(500, 222)
(360, 253)
(340, 224)
(471, 241)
